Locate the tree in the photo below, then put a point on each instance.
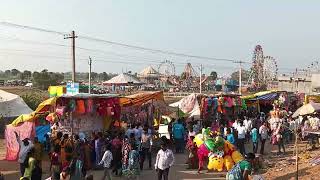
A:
(213, 75)
(7, 73)
(104, 76)
(15, 72)
(44, 79)
(245, 75)
(27, 74)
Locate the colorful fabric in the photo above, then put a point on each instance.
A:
(25, 130)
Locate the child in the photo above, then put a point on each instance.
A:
(192, 157)
(106, 162)
(230, 137)
(164, 161)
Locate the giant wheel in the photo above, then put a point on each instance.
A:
(167, 69)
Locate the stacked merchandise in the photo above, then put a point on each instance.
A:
(226, 105)
(221, 153)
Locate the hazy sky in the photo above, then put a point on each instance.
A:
(288, 30)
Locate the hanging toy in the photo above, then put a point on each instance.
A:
(215, 163)
(198, 139)
(237, 156)
(228, 162)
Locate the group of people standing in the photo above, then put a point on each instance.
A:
(116, 152)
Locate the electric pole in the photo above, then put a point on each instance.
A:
(72, 36)
(240, 75)
(200, 78)
(90, 63)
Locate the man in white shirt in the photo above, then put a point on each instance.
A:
(164, 161)
(106, 162)
(241, 137)
(263, 131)
(235, 124)
(24, 147)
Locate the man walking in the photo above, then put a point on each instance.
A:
(25, 146)
(263, 131)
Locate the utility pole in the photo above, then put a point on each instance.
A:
(90, 63)
(72, 36)
(240, 75)
(200, 78)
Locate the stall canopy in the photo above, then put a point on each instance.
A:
(42, 107)
(140, 98)
(307, 109)
(12, 105)
(189, 105)
(264, 95)
(123, 80)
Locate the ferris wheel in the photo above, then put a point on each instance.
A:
(270, 69)
(264, 68)
(167, 68)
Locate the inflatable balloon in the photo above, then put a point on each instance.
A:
(198, 139)
(228, 162)
(210, 144)
(237, 156)
(219, 141)
(215, 163)
(206, 133)
(203, 150)
(228, 148)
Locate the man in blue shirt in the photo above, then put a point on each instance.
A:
(178, 136)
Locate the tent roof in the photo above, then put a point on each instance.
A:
(12, 105)
(140, 98)
(122, 79)
(148, 72)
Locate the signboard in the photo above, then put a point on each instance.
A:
(72, 88)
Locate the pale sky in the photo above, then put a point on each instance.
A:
(288, 30)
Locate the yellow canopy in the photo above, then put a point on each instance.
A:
(48, 102)
(30, 117)
(140, 98)
(23, 118)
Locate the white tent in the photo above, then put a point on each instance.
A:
(189, 105)
(123, 79)
(12, 105)
(148, 72)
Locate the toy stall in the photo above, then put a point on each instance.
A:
(266, 100)
(221, 106)
(85, 113)
(80, 113)
(144, 108)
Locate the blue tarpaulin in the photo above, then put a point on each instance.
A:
(41, 131)
(267, 97)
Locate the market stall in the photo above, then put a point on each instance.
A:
(80, 113)
(143, 108)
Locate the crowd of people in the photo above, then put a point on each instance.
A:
(117, 153)
(124, 152)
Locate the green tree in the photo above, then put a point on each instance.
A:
(245, 75)
(104, 76)
(15, 72)
(213, 75)
(44, 79)
(7, 73)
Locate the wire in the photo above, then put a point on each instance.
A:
(118, 44)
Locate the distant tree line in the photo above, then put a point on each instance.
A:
(44, 78)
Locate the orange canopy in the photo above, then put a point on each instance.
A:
(140, 98)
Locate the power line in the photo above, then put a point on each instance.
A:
(118, 44)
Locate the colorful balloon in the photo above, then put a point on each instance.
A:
(237, 156)
(215, 163)
(228, 162)
(198, 139)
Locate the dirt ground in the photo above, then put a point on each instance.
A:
(274, 167)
